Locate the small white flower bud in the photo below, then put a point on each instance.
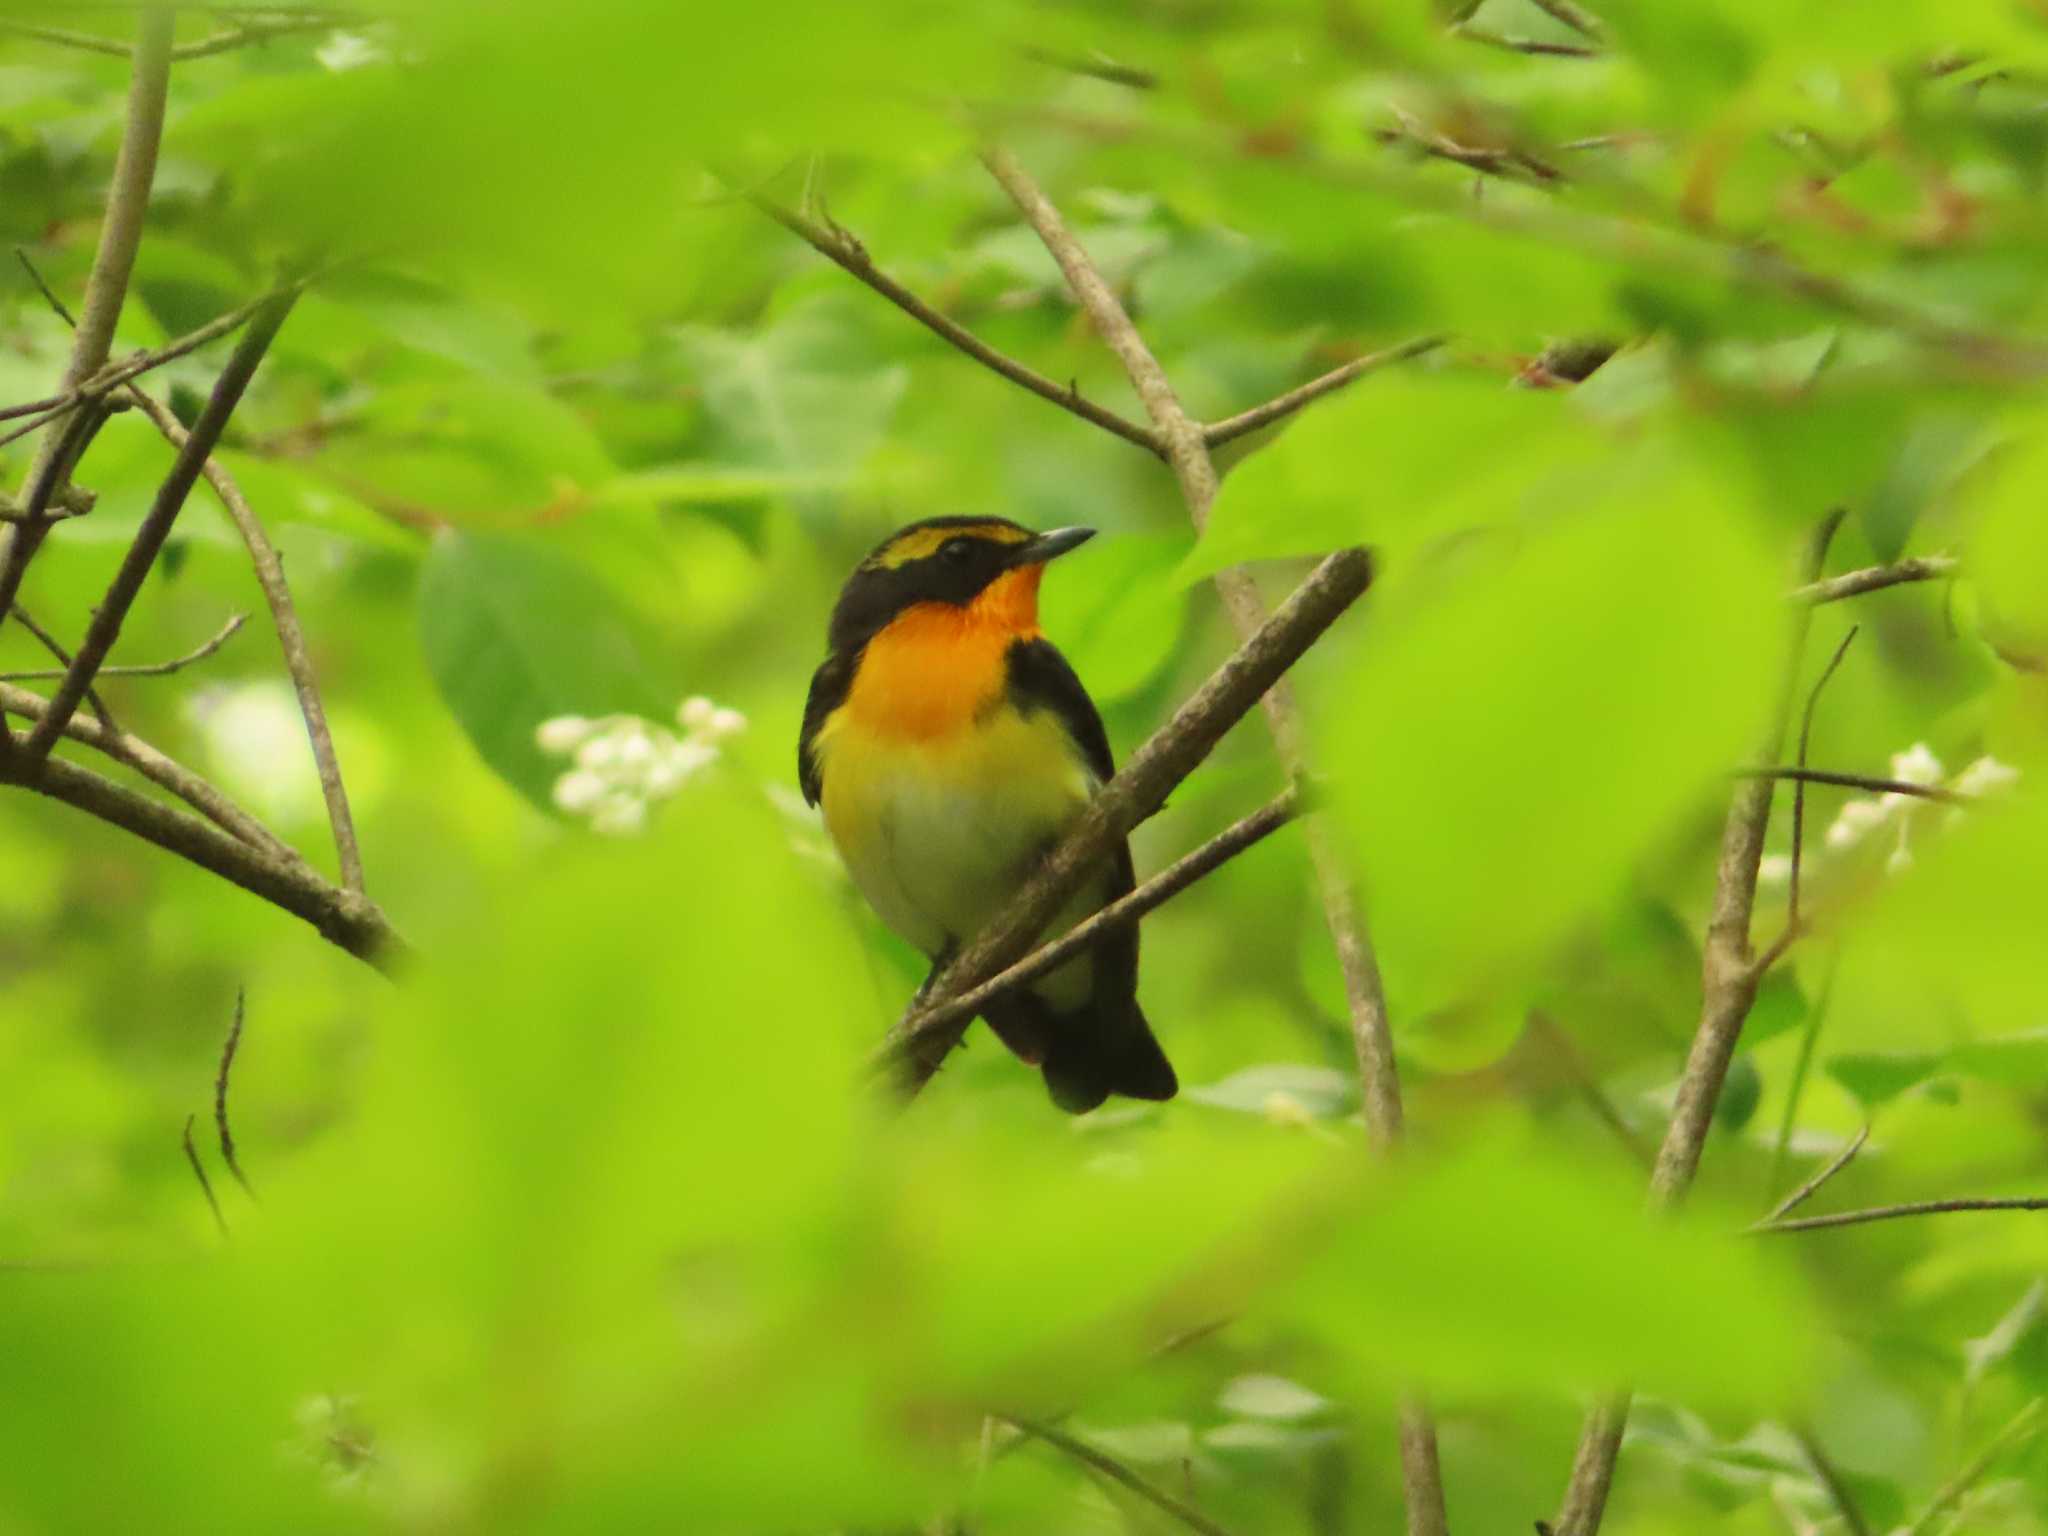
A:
(562, 735)
(1917, 765)
(1855, 819)
(727, 722)
(636, 752)
(577, 792)
(600, 754)
(696, 713)
(1986, 776)
(619, 815)
(1900, 861)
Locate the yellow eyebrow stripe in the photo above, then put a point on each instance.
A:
(920, 542)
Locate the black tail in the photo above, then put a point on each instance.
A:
(1087, 1060)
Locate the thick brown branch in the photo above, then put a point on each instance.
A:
(840, 248)
(106, 289)
(1121, 913)
(1108, 1466)
(1230, 428)
(1187, 451)
(291, 638)
(1174, 751)
(133, 752)
(157, 522)
(343, 918)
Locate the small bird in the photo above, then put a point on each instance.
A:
(950, 745)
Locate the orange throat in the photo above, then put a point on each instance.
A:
(935, 666)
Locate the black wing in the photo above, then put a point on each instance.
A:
(829, 687)
(1039, 678)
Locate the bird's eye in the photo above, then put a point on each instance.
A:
(957, 551)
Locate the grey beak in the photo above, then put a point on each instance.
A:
(1049, 545)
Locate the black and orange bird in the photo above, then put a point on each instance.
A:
(950, 744)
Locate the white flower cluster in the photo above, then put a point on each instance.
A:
(623, 764)
(1894, 814)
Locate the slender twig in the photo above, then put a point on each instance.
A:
(1877, 577)
(248, 33)
(1895, 1212)
(1187, 451)
(1729, 976)
(157, 522)
(1830, 1478)
(105, 289)
(1809, 1042)
(113, 376)
(149, 669)
(291, 638)
(55, 647)
(1096, 68)
(199, 1173)
(1230, 428)
(1119, 914)
(220, 1093)
(1799, 786)
(344, 918)
(1108, 1466)
(133, 752)
(1580, 21)
(284, 612)
(1875, 785)
(840, 248)
(1529, 45)
(917, 1047)
(1805, 1191)
(2021, 1425)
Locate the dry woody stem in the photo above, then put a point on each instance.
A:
(1187, 450)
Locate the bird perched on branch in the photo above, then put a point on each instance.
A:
(950, 745)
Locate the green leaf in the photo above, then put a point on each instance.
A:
(514, 635)
(1508, 737)
(1876, 1078)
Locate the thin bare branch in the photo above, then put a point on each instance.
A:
(110, 378)
(1230, 428)
(1802, 1065)
(1875, 785)
(1528, 45)
(220, 1093)
(106, 289)
(148, 669)
(1108, 1466)
(1729, 976)
(1187, 451)
(917, 1047)
(1897, 1212)
(1799, 786)
(2019, 1428)
(843, 250)
(344, 918)
(157, 523)
(1831, 1479)
(291, 638)
(1875, 578)
(55, 647)
(135, 753)
(1119, 914)
(205, 1184)
(1805, 1191)
(1579, 20)
(243, 36)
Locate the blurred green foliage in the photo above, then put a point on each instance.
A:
(592, 1223)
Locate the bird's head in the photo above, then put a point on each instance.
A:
(986, 567)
